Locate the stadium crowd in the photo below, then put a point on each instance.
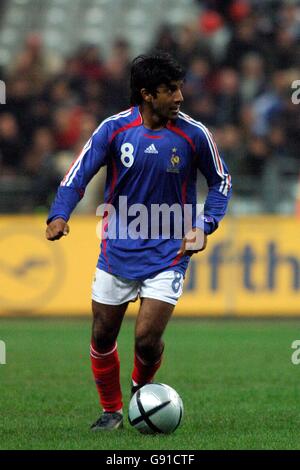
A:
(241, 59)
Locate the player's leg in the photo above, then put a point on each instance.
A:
(104, 353)
(159, 296)
(110, 299)
(151, 322)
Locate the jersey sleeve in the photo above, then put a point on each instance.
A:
(72, 188)
(218, 180)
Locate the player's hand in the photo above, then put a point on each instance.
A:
(194, 241)
(56, 229)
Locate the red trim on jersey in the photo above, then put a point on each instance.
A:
(104, 223)
(104, 243)
(176, 260)
(184, 191)
(180, 132)
(153, 136)
(113, 181)
(137, 122)
(183, 198)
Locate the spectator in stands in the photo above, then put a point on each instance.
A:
(90, 62)
(252, 78)
(35, 63)
(166, 40)
(116, 85)
(244, 41)
(39, 165)
(228, 99)
(11, 144)
(198, 79)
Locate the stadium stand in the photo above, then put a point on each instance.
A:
(66, 65)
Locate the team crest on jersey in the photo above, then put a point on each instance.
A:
(173, 166)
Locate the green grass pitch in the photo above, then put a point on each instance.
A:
(239, 387)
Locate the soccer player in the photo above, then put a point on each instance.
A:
(152, 152)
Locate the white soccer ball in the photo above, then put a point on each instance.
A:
(155, 408)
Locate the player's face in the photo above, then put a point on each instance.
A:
(168, 99)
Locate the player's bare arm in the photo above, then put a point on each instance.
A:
(56, 229)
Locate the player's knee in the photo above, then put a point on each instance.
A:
(104, 338)
(148, 347)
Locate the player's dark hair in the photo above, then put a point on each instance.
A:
(150, 71)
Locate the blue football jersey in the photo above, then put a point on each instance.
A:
(147, 168)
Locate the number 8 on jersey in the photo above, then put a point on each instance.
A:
(127, 150)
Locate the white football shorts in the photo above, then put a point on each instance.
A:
(115, 290)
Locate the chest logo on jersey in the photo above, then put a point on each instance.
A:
(151, 149)
(173, 166)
